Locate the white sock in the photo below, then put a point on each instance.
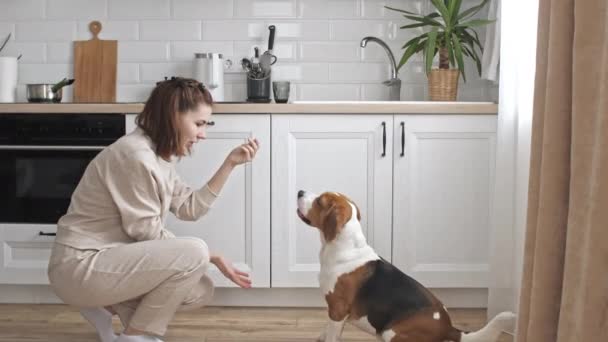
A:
(137, 338)
(101, 319)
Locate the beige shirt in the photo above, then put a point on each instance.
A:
(124, 196)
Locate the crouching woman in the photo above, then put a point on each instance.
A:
(112, 254)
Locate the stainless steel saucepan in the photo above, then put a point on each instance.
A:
(45, 92)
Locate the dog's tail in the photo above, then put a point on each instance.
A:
(504, 321)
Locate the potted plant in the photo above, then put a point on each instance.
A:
(451, 33)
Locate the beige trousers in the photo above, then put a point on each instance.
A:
(144, 282)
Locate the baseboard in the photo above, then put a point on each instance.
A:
(278, 297)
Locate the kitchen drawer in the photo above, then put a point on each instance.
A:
(24, 253)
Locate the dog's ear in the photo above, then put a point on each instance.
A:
(330, 225)
(358, 212)
(356, 207)
(335, 218)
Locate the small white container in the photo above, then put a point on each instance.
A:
(209, 69)
(8, 79)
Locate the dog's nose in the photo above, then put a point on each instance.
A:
(300, 193)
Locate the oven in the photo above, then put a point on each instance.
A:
(43, 157)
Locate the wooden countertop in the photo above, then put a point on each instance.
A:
(304, 107)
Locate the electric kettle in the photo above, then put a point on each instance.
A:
(209, 69)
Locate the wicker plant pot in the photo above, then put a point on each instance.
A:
(443, 84)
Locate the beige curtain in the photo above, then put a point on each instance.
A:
(564, 294)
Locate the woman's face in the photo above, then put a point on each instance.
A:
(193, 127)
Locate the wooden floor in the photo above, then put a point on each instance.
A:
(60, 323)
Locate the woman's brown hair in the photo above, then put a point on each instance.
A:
(169, 99)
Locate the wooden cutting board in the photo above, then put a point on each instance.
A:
(95, 68)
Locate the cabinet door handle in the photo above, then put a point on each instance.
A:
(383, 138)
(402, 138)
(41, 233)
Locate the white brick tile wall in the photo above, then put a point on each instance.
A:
(139, 9)
(184, 51)
(233, 30)
(202, 9)
(143, 51)
(76, 9)
(133, 93)
(170, 30)
(328, 9)
(235, 75)
(21, 94)
(302, 72)
(235, 92)
(265, 8)
(322, 92)
(375, 53)
(374, 92)
(22, 9)
(413, 92)
(44, 31)
(62, 52)
(115, 30)
(358, 72)
(5, 29)
(30, 52)
(128, 73)
(317, 43)
(354, 30)
(44, 73)
(491, 92)
(469, 93)
(413, 72)
(153, 72)
(301, 30)
(472, 75)
(374, 9)
(329, 51)
(285, 51)
(409, 92)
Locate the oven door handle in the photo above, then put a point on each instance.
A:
(50, 148)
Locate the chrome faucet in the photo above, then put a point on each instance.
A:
(394, 83)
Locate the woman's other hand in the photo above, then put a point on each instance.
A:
(238, 277)
(243, 153)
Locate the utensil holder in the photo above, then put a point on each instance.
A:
(258, 89)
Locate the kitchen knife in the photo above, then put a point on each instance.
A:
(267, 59)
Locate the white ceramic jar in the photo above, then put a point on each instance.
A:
(8, 79)
(209, 69)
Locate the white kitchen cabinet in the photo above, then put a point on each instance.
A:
(443, 181)
(427, 210)
(238, 225)
(318, 153)
(24, 253)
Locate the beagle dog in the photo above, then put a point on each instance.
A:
(364, 289)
